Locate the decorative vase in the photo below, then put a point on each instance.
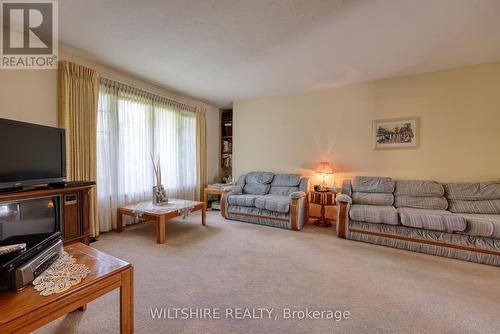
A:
(159, 195)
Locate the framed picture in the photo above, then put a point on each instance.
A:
(396, 133)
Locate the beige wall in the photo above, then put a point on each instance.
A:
(460, 128)
(31, 96)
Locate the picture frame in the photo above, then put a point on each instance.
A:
(396, 133)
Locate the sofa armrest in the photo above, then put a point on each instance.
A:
(342, 218)
(232, 190)
(299, 210)
(297, 195)
(343, 199)
(303, 185)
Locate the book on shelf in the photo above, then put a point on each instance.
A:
(227, 146)
(227, 160)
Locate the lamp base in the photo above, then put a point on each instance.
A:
(322, 223)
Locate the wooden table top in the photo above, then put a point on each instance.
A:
(214, 190)
(101, 266)
(160, 210)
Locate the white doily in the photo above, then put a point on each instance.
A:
(61, 275)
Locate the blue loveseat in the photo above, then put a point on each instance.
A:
(278, 200)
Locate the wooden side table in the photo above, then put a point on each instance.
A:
(211, 191)
(323, 198)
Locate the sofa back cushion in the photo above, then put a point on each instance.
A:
(241, 181)
(367, 190)
(372, 198)
(479, 197)
(472, 191)
(258, 183)
(259, 177)
(418, 188)
(347, 187)
(285, 184)
(418, 194)
(421, 202)
(370, 184)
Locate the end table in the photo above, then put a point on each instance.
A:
(211, 191)
(323, 198)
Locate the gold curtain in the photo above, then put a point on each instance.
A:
(201, 151)
(78, 98)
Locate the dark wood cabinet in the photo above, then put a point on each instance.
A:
(71, 218)
(74, 203)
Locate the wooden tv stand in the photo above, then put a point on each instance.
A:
(75, 209)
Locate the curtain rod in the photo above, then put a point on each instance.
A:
(148, 91)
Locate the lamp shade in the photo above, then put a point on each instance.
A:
(324, 168)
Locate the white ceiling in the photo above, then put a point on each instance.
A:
(224, 50)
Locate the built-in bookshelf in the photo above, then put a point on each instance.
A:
(227, 142)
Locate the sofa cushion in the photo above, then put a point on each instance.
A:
(285, 184)
(369, 184)
(436, 220)
(242, 200)
(286, 180)
(256, 189)
(259, 177)
(241, 181)
(472, 191)
(372, 198)
(374, 214)
(421, 202)
(490, 206)
(418, 188)
(275, 203)
(283, 191)
(482, 225)
(347, 187)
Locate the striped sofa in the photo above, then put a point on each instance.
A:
(456, 220)
(265, 198)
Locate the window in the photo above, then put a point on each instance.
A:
(131, 127)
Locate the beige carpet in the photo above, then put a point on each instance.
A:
(230, 264)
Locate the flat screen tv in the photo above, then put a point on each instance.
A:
(31, 154)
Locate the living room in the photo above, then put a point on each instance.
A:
(250, 167)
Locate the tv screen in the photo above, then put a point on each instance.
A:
(31, 154)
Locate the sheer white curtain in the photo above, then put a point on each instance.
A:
(135, 145)
(130, 126)
(175, 140)
(107, 188)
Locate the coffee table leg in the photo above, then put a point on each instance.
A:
(160, 230)
(119, 221)
(204, 214)
(127, 302)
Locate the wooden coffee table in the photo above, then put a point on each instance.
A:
(160, 214)
(27, 310)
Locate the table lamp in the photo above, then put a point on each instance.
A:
(324, 169)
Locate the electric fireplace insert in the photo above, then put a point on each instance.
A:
(35, 222)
